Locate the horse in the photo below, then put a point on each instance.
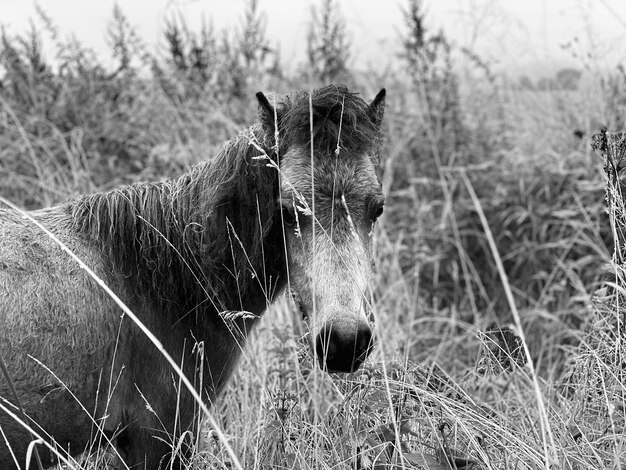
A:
(288, 205)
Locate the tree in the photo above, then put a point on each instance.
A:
(525, 83)
(429, 62)
(253, 44)
(328, 45)
(568, 79)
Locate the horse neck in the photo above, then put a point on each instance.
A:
(207, 234)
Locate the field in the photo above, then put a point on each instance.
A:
(499, 258)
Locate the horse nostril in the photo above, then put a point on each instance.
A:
(364, 343)
(341, 349)
(326, 345)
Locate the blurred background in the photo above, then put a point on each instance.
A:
(533, 38)
(491, 106)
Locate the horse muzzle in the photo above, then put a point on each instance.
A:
(342, 346)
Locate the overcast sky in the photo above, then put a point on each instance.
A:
(516, 35)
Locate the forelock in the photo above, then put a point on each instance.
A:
(339, 116)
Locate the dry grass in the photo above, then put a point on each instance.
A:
(441, 391)
(498, 293)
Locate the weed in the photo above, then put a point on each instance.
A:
(483, 182)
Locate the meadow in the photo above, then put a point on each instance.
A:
(499, 281)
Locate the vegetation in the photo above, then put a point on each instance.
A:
(500, 271)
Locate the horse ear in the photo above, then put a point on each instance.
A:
(267, 112)
(376, 109)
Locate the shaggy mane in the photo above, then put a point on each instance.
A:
(182, 240)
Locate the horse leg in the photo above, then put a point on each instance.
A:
(56, 416)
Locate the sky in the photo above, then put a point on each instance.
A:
(534, 37)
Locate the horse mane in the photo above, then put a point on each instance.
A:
(195, 238)
(209, 236)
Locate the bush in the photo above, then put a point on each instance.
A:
(443, 390)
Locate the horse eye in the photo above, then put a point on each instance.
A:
(376, 212)
(289, 215)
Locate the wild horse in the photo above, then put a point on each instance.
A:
(290, 203)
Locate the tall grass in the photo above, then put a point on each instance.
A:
(486, 187)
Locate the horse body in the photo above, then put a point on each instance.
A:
(42, 292)
(52, 311)
(197, 259)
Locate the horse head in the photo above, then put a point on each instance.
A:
(329, 198)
